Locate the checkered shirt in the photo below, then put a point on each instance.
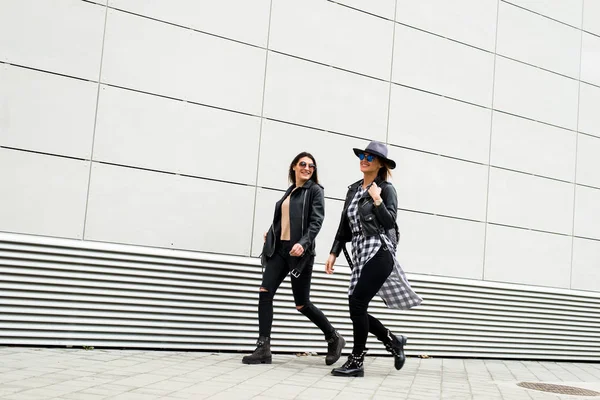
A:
(395, 291)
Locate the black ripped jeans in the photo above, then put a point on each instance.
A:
(372, 276)
(275, 272)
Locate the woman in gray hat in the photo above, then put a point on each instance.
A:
(290, 248)
(369, 222)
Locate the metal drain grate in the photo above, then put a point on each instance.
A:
(560, 389)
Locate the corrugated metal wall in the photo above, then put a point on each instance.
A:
(76, 293)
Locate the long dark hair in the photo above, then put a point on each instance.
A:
(384, 172)
(292, 174)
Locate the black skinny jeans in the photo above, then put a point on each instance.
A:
(373, 275)
(275, 272)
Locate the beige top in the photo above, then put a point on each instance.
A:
(285, 218)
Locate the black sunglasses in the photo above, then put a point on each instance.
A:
(369, 157)
(303, 164)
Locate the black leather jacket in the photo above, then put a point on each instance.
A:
(307, 211)
(373, 220)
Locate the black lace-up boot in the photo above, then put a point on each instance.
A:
(335, 345)
(395, 346)
(262, 354)
(352, 367)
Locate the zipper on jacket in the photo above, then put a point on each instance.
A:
(303, 204)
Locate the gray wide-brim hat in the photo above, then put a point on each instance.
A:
(377, 149)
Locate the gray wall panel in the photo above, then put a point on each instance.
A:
(128, 205)
(169, 60)
(567, 11)
(537, 40)
(235, 19)
(533, 93)
(586, 258)
(440, 185)
(590, 48)
(63, 36)
(319, 96)
(524, 145)
(382, 8)
(468, 21)
(589, 118)
(42, 195)
(46, 112)
(442, 246)
(531, 202)
(529, 257)
(434, 123)
(325, 32)
(588, 160)
(443, 66)
(153, 132)
(587, 213)
(591, 16)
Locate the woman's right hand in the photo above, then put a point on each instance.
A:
(329, 264)
(265, 237)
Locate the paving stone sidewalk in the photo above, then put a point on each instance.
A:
(41, 373)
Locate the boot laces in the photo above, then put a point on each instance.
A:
(389, 346)
(354, 361)
(392, 349)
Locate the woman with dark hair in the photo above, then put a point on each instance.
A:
(290, 248)
(369, 222)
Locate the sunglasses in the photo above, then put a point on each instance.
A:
(369, 157)
(303, 164)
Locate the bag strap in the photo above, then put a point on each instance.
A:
(349, 259)
(347, 256)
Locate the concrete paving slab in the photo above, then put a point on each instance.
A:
(69, 374)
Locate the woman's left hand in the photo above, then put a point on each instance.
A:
(375, 192)
(297, 250)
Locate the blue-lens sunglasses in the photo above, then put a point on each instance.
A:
(369, 157)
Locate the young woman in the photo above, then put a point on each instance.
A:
(369, 221)
(290, 248)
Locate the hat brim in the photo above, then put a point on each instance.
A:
(390, 163)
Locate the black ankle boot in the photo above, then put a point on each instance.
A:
(262, 354)
(352, 367)
(395, 346)
(335, 345)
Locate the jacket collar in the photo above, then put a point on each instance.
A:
(357, 184)
(354, 187)
(307, 185)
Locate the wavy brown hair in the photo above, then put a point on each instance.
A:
(292, 174)
(384, 172)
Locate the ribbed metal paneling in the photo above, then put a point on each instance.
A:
(78, 293)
